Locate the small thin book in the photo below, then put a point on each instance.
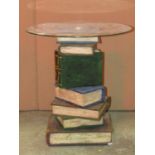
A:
(77, 40)
(56, 135)
(69, 122)
(64, 108)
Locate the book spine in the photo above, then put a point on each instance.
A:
(58, 68)
(48, 138)
(106, 108)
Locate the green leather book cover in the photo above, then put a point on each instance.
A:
(78, 70)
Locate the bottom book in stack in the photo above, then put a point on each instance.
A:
(71, 124)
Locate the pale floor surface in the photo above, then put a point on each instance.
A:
(32, 136)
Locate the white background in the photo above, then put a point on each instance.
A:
(145, 77)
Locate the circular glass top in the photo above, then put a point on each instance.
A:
(78, 29)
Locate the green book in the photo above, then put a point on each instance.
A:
(79, 70)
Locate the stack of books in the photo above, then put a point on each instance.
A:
(80, 108)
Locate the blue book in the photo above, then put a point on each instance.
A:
(82, 96)
(87, 89)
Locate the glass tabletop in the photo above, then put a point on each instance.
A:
(78, 29)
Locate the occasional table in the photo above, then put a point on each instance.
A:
(78, 31)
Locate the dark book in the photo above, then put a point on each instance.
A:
(61, 107)
(78, 70)
(81, 96)
(56, 135)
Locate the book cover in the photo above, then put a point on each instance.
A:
(56, 135)
(78, 70)
(64, 108)
(69, 122)
(81, 96)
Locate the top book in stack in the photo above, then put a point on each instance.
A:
(77, 40)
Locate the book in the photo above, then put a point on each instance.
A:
(81, 96)
(56, 135)
(74, 122)
(61, 107)
(70, 49)
(78, 70)
(78, 40)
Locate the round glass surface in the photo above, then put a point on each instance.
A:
(79, 29)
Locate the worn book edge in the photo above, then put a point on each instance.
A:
(75, 122)
(81, 112)
(107, 132)
(82, 99)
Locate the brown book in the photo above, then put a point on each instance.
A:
(56, 135)
(61, 107)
